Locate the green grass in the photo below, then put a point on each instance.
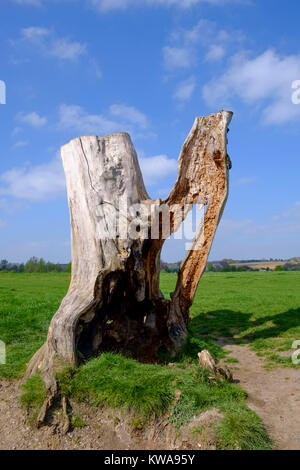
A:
(149, 391)
(258, 309)
(242, 429)
(27, 304)
(33, 396)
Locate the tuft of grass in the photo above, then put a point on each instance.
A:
(231, 360)
(33, 396)
(77, 421)
(117, 382)
(242, 429)
(137, 424)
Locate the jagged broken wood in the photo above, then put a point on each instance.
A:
(114, 302)
(207, 362)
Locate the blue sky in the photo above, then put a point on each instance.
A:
(149, 67)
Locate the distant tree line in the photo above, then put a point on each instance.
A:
(170, 267)
(288, 267)
(34, 265)
(225, 267)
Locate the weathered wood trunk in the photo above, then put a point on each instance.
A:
(114, 302)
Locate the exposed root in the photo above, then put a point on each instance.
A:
(47, 405)
(206, 361)
(66, 425)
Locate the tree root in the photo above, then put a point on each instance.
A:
(206, 361)
(66, 425)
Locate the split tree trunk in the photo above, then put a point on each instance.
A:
(114, 302)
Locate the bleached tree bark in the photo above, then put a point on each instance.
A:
(114, 302)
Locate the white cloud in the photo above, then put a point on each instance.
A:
(286, 223)
(157, 168)
(120, 118)
(107, 5)
(265, 80)
(95, 68)
(34, 33)
(130, 114)
(51, 45)
(46, 181)
(10, 207)
(16, 131)
(33, 119)
(185, 89)
(20, 143)
(177, 57)
(65, 49)
(202, 41)
(34, 183)
(245, 180)
(202, 32)
(215, 53)
(293, 212)
(76, 118)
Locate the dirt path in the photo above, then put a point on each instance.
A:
(274, 395)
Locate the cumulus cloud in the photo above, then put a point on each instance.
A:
(35, 183)
(33, 119)
(20, 143)
(110, 5)
(177, 57)
(76, 118)
(47, 181)
(157, 168)
(52, 45)
(120, 118)
(63, 48)
(215, 53)
(185, 89)
(292, 212)
(107, 5)
(34, 33)
(264, 80)
(129, 113)
(287, 222)
(245, 180)
(203, 40)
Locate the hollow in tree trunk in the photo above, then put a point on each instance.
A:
(114, 302)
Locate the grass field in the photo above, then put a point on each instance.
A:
(259, 309)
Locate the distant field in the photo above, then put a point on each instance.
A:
(261, 309)
(261, 264)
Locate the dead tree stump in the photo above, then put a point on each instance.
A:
(114, 302)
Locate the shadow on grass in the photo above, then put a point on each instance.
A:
(213, 330)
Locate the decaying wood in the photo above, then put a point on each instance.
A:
(207, 362)
(114, 302)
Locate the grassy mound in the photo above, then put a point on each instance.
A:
(149, 391)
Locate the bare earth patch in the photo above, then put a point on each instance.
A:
(102, 429)
(273, 394)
